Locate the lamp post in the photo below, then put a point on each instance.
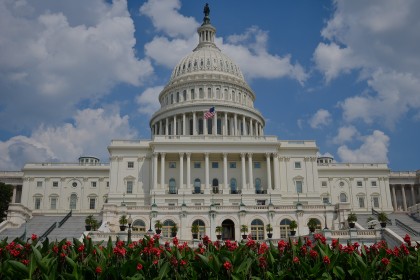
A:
(129, 221)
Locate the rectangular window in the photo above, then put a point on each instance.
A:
(324, 183)
(297, 164)
(37, 203)
(361, 202)
(359, 183)
(232, 164)
(373, 183)
(93, 184)
(260, 202)
(92, 202)
(197, 164)
(214, 165)
(129, 186)
(257, 165)
(172, 164)
(299, 186)
(39, 183)
(325, 200)
(55, 184)
(376, 202)
(53, 203)
(130, 164)
(107, 184)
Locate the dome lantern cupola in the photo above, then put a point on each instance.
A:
(206, 31)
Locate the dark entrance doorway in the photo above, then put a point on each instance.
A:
(228, 230)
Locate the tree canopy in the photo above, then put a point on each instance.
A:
(6, 192)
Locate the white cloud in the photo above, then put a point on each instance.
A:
(345, 134)
(321, 118)
(374, 148)
(149, 100)
(54, 56)
(91, 133)
(166, 18)
(381, 39)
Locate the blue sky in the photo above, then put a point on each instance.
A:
(76, 74)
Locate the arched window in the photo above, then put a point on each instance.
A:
(257, 229)
(201, 226)
(219, 126)
(184, 94)
(191, 127)
(172, 186)
(233, 188)
(215, 185)
(343, 197)
(73, 201)
(209, 126)
(177, 97)
(200, 126)
(258, 186)
(166, 229)
(284, 228)
(139, 226)
(318, 223)
(197, 186)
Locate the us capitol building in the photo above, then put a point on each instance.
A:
(208, 163)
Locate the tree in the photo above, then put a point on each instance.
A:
(6, 192)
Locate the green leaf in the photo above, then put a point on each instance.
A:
(163, 270)
(19, 266)
(339, 272)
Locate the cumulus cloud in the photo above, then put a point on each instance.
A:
(374, 149)
(321, 118)
(345, 134)
(52, 57)
(165, 17)
(89, 134)
(380, 40)
(148, 100)
(248, 49)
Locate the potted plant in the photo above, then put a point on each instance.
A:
(244, 230)
(219, 230)
(352, 219)
(312, 223)
(195, 229)
(158, 227)
(293, 226)
(88, 222)
(95, 225)
(383, 218)
(123, 222)
(174, 230)
(269, 229)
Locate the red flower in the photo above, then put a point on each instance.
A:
(326, 260)
(25, 262)
(175, 241)
(407, 239)
(81, 248)
(385, 261)
(183, 262)
(296, 260)
(139, 266)
(227, 265)
(313, 254)
(34, 237)
(98, 270)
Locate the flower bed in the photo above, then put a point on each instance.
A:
(148, 259)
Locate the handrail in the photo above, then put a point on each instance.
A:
(406, 227)
(65, 219)
(48, 231)
(376, 213)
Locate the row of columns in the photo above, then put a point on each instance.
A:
(249, 126)
(246, 184)
(404, 198)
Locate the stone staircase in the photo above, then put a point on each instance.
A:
(72, 228)
(37, 225)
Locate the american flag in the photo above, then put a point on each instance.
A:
(209, 114)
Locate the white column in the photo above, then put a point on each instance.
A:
(174, 126)
(236, 124)
(184, 125)
(225, 180)
(225, 128)
(250, 171)
(251, 130)
(204, 125)
(161, 127)
(243, 171)
(155, 170)
(257, 133)
(276, 171)
(404, 198)
(244, 125)
(162, 170)
(268, 158)
(206, 178)
(181, 170)
(413, 196)
(194, 124)
(214, 128)
(188, 170)
(394, 197)
(167, 126)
